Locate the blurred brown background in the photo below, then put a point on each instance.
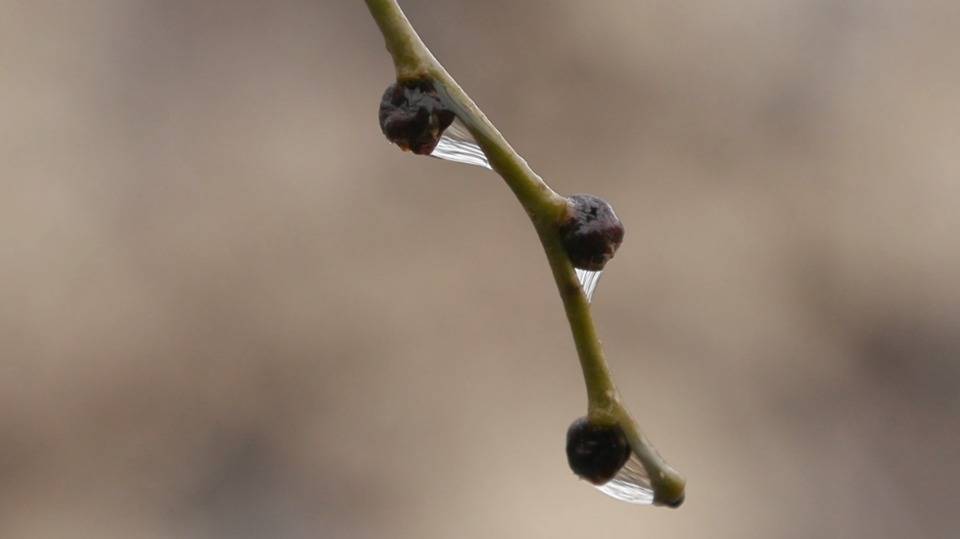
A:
(229, 308)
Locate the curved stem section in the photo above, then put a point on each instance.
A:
(410, 56)
(545, 207)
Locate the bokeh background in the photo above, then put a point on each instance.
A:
(229, 308)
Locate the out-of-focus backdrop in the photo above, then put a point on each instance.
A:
(229, 308)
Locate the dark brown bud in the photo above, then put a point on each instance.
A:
(596, 452)
(590, 232)
(413, 116)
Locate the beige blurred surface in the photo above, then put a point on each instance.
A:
(229, 308)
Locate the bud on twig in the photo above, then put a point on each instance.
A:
(596, 452)
(590, 232)
(413, 116)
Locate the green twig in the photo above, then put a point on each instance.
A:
(545, 207)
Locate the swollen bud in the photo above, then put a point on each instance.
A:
(413, 116)
(596, 452)
(590, 232)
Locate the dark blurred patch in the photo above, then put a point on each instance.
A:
(917, 360)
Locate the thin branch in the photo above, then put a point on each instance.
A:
(545, 207)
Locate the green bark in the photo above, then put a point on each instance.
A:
(413, 60)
